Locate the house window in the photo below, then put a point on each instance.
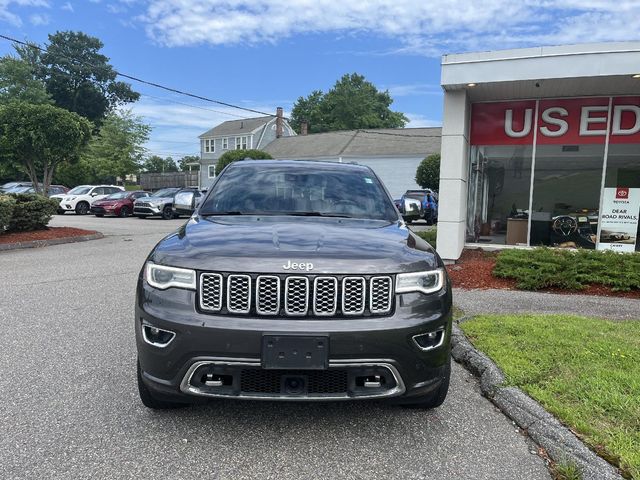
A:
(212, 171)
(209, 145)
(241, 143)
(225, 143)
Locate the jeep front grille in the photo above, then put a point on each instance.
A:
(317, 296)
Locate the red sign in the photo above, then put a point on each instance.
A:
(622, 193)
(558, 122)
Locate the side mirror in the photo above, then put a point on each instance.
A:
(412, 207)
(94, 194)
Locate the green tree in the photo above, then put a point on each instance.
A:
(184, 162)
(117, 150)
(428, 172)
(352, 103)
(78, 77)
(18, 82)
(39, 138)
(235, 155)
(157, 164)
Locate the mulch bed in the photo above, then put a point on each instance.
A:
(475, 267)
(48, 234)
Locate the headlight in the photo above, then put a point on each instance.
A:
(424, 282)
(71, 198)
(163, 277)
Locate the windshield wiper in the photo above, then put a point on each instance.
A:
(317, 214)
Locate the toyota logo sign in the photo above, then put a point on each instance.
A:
(622, 193)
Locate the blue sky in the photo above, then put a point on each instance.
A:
(262, 54)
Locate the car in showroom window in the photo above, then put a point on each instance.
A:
(293, 280)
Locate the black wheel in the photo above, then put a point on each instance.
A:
(167, 213)
(149, 401)
(124, 211)
(82, 208)
(434, 399)
(60, 211)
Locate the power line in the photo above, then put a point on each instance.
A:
(192, 106)
(145, 82)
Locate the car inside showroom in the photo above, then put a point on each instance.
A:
(541, 147)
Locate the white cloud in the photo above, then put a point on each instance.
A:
(418, 120)
(38, 19)
(8, 15)
(68, 7)
(420, 26)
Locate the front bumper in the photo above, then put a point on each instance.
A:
(227, 349)
(67, 207)
(137, 210)
(100, 210)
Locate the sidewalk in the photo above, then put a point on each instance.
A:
(474, 302)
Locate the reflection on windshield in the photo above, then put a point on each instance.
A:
(299, 190)
(79, 190)
(166, 192)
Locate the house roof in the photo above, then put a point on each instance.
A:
(237, 127)
(359, 143)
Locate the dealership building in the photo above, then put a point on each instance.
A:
(541, 146)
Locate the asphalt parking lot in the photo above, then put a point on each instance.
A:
(69, 405)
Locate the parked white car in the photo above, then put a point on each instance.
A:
(80, 198)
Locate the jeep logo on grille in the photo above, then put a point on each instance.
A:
(308, 266)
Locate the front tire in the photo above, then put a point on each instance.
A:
(436, 398)
(124, 212)
(82, 208)
(167, 213)
(149, 400)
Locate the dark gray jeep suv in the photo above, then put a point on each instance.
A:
(294, 280)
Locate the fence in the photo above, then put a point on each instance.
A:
(155, 181)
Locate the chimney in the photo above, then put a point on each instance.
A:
(304, 127)
(279, 127)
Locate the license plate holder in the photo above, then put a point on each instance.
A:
(295, 352)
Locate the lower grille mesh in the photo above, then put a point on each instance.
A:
(257, 380)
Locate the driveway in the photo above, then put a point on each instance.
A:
(69, 406)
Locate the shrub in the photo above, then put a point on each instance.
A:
(31, 212)
(235, 155)
(7, 205)
(430, 236)
(544, 268)
(428, 172)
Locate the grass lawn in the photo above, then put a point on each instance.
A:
(584, 371)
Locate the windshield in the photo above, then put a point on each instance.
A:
(115, 196)
(322, 190)
(79, 190)
(165, 192)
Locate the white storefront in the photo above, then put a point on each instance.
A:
(541, 146)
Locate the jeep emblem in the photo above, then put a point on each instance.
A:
(308, 266)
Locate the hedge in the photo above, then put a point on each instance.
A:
(31, 212)
(571, 269)
(7, 205)
(430, 236)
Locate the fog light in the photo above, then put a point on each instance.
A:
(430, 340)
(157, 336)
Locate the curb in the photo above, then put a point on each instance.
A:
(541, 426)
(45, 243)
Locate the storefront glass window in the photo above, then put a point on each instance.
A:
(569, 144)
(499, 182)
(566, 195)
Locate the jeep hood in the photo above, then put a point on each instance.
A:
(256, 244)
